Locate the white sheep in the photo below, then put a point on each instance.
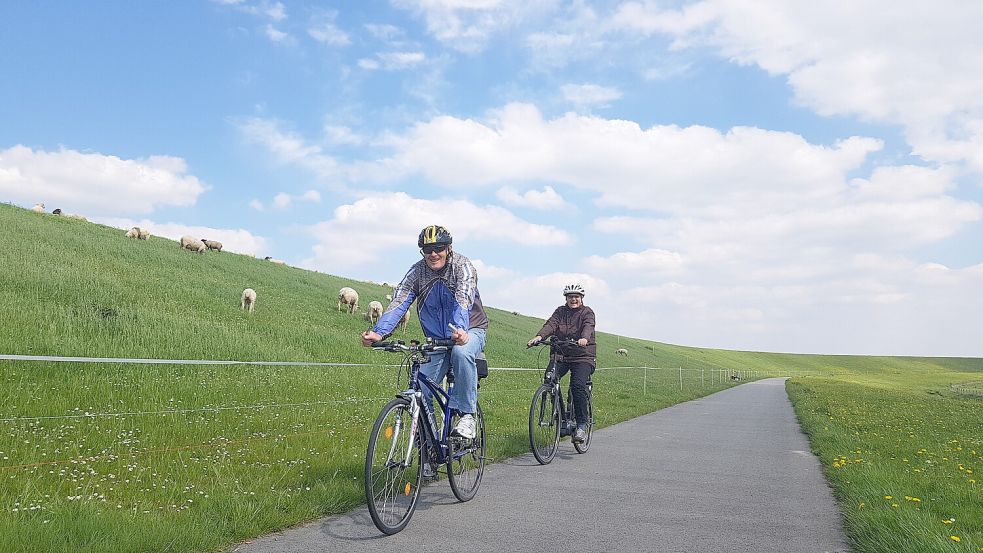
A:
(75, 216)
(38, 208)
(271, 260)
(622, 351)
(144, 234)
(212, 244)
(348, 297)
(248, 301)
(193, 244)
(374, 312)
(401, 325)
(133, 232)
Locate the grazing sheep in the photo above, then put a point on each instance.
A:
(57, 211)
(133, 232)
(75, 216)
(374, 312)
(622, 351)
(248, 299)
(735, 376)
(349, 298)
(212, 244)
(401, 325)
(144, 234)
(193, 244)
(38, 208)
(277, 261)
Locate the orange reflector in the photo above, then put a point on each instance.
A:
(406, 490)
(389, 432)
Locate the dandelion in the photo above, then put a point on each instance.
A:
(954, 538)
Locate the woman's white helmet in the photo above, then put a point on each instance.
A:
(573, 289)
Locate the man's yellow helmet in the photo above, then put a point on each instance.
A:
(434, 235)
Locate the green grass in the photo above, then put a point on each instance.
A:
(125, 457)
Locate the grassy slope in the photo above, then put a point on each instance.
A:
(281, 444)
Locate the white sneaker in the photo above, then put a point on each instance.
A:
(466, 427)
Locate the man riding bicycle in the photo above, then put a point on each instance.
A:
(445, 285)
(574, 321)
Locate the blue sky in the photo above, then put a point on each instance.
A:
(760, 176)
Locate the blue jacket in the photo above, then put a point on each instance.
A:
(449, 295)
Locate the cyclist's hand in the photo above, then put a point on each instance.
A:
(582, 342)
(460, 336)
(369, 337)
(535, 340)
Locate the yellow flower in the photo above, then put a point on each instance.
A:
(955, 538)
(888, 497)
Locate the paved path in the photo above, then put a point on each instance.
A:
(730, 472)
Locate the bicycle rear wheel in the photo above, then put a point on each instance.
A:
(544, 424)
(392, 470)
(583, 446)
(466, 461)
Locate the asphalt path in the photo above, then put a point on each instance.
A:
(730, 472)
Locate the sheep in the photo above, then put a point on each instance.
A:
(374, 312)
(144, 234)
(133, 232)
(401, 325)
(193, 244)
(248, 301)
(57, 211)
(212, 244)
(277, 261)
(74, 216)
(38, 208)
(349, 298)
(622, 351)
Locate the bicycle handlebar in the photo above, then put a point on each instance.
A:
(431, 346)
(554, 341)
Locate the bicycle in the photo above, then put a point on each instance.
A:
(549, 416)
(402, 441)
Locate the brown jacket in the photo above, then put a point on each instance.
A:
(566, 323)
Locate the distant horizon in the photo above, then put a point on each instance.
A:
(766, 177)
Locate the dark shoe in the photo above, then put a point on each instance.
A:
(579, 436)
(429, 472)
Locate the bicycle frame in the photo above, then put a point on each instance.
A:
(436, 448)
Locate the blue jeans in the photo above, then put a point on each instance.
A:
(464, 396)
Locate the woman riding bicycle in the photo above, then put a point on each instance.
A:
(445, 285)
(575, 321)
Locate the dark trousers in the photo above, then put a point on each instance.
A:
(579, 374)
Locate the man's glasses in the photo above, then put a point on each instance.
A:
(427, 250)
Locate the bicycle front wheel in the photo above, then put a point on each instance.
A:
(583, 446)
(466, 461)
(544, 424)
(392, 468)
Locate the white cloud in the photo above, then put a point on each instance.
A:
(651, 260)
(256, 204)
(548, 199)
(276, 35)
(397, 61)
(329, 33)
(284, 200)
(369, 64)
(465, 25)
(288, 147)
(917, 66)
(277, 11)
(394, 221)
(383, 31)
(82, 182)
(587, 95)
(234, 240)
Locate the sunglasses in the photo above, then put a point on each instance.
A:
(427, 250)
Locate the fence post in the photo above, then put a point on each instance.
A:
(703, 378)
(680, 379)
(645, 377)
